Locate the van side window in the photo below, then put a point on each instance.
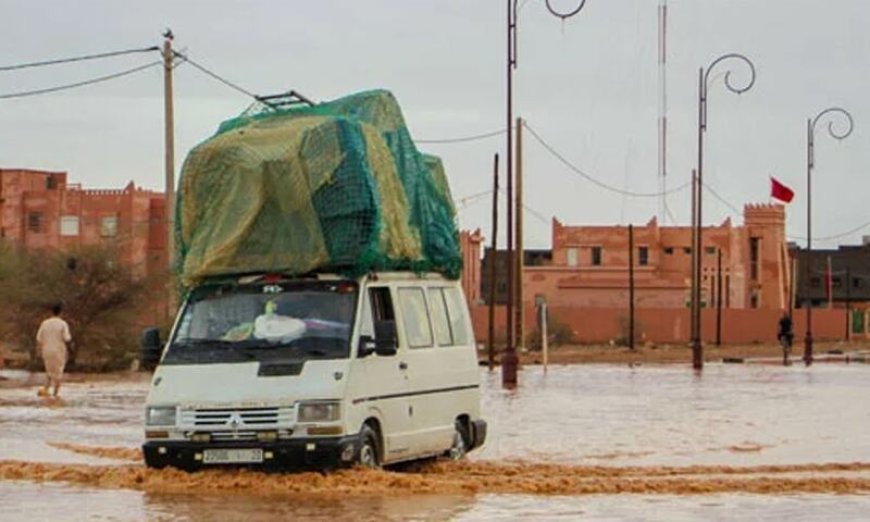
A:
(382, 304)
(439, 317)
(415, 317)
(377, 306)
(456, 310)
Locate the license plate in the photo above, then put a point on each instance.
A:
(232, 456)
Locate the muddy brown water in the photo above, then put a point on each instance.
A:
(581, 442)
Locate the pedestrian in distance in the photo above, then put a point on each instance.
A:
(52, 345)
(785, 335)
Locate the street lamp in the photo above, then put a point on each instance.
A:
(509, 360)
(703, 85)
(832, 113)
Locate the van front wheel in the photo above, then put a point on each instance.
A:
(368, 449)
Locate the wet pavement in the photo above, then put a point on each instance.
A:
(593, 442)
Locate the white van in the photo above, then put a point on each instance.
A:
(316, 372)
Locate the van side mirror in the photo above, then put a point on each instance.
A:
(150, 348)
(386, 340)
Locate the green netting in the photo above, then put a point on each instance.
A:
(339, 186)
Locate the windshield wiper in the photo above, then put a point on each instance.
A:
(221, 343)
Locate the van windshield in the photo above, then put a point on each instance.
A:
(266, 322)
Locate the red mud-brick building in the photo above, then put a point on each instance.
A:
(589, 264)
(40, 209)
(584, 279)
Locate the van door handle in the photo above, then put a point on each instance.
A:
(403, 365)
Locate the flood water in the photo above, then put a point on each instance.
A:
(593, 442)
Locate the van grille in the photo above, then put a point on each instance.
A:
(238, 419)
(220, 436)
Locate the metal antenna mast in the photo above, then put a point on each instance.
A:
(663, 108)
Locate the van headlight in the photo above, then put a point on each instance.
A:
(160, 416)
(318, 411)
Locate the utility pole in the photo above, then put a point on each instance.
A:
(693, 330)
(719, 298)
(631, 287)
(169, 134)
(520, 310)
(509, 359)
(493, 262)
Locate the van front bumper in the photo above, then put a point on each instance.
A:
(301, 453)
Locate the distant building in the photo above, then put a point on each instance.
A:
(470, 243)
(532, 257)
(588, 265)
(848, 280)
(40, 209)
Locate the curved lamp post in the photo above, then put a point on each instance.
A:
(832, 113)
(509, 360)
(697, 254)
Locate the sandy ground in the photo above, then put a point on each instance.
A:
(664, 354)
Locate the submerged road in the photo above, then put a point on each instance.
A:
(582, 442)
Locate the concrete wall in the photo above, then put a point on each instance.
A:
(671, 325)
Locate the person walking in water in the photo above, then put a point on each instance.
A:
(785, 336)
(52, 339)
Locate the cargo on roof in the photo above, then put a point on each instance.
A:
(334, 187)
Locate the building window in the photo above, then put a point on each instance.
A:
(753, 258)
(836, 282)
(596, 256)
(815, 282)
(69, 225)
(669, 251)
(753, 300)
(856, 282)
(572, 257)
(687, 251)
(50, 183)
(710, 250)
(643, 256)
(34, 221)
(109, 226)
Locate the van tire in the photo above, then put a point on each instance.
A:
(459, 447)
(369, 453)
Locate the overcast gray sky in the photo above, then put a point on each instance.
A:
(588, 86)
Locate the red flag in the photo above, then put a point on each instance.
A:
(780, 191)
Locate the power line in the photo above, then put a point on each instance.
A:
(78, 58)
(720, 198)
(467, 200)
(465, 138)
(836, 236)
(530, 210)
(215, 76)
(591, 179)
(83, 83)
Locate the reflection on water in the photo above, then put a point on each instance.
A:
(773, 419)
